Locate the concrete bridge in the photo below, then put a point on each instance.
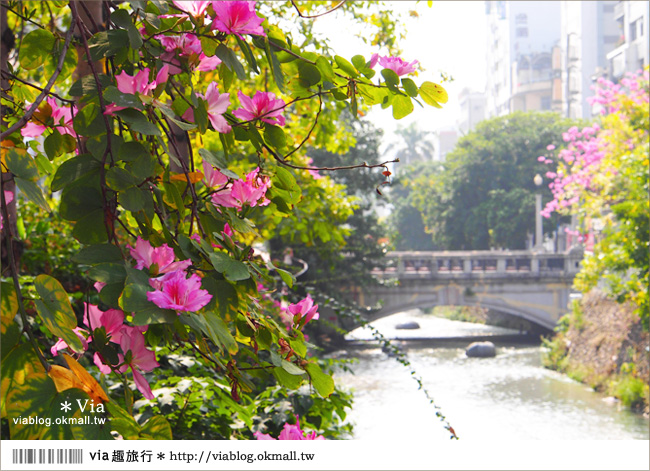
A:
(530, 285)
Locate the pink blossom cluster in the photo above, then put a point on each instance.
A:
(298, 314)
(263, 106)
(129, 338)
(187, 46)
(396, 64)
(230, 17)
(250, 191)
(173, 289)
(583, 158)
(61, 115)
(290, 432)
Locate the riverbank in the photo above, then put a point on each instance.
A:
(602, 343)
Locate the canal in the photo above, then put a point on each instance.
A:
(508, 396)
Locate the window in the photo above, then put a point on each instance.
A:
(633, 30)
(521, 32)
(521, 19)
(546, 102)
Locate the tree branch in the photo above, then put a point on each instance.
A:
(339, 5)
(27, 116)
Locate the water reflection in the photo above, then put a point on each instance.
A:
(509, 396)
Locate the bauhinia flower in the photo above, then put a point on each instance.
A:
(138, 84)
(179, 293)
(194, 8)
(60, 115)
(217, 106)
(237, 17)
(397, 65)
(250, 192)
(305, 309)
(185, 45)
(213, 177)
(138, 358)
(160, 258)
(290, 432)
(111, 320)
(263, 106)
(62, 344)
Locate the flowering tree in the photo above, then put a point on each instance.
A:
(169, 137)
(602, 177)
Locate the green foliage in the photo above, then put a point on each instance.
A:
(484, 196)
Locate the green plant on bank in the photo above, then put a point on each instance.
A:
(141, 129)
(458, 313)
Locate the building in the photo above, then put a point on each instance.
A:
(472, 110)
(588, 33)
(631, 50)
(521, 37)
(445, 140)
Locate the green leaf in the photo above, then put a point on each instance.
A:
(156, 428)
(433, 94)
(87, 87)
(36, 49)
(359, 62)
(89, 121)
(287, 380)
(392, 79)
(119, 179)
(107, 43)
(291, 368)
(285, 180)
(53, 144)
(10, 333)
(132, 151)
(174, 198)
(248, 54)
(90, 229)
(80, 199)
(56, 312)
(230, 59)
(108, 272)
(287, 277)
(133, 199)
(325, 68)
(410, 87)
(72, 169)
(276, 68)
(154, 315)
(346, 66)
(128, 100)
(101, 253)
(323, 383)
(233, 270)
(308, 74)
(110, 294)
(172, 117)
(21, 164)
(138, 121)
(402, 106)
(33, 193)
(209, 45)
(224, 295)
(220, 333)
(275, 137)
(122, 19)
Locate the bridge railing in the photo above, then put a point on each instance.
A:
(481, 263)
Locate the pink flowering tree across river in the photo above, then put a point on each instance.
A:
(156, 146)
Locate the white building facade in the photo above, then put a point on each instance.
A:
(631, 51)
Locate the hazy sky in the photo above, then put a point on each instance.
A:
(449, 36)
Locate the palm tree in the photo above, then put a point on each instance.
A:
(413, 146)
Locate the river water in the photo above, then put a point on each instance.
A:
(510, 396)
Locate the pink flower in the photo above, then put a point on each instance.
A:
(62, 345)
(290, 432)
(137, 84)
(263, 106)
(111, 320)
(162, 257)
(236, 17)
(180, 293)
(61, 116)
(194, 8)
(212, 177)
(550, 147)
(251, 192)
(373, 60)
(217, 106)
(189, 46)
(305, 309)
(397, 65)
(141, 359)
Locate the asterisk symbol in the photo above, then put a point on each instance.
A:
(161, 456)
(66, 406)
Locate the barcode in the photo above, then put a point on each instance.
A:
(48, 456)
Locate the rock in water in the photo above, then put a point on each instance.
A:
(411, 325)
(481, 350)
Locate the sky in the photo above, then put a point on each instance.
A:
(449, 36)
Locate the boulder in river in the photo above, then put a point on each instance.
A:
(481, 350)
(411, 325)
